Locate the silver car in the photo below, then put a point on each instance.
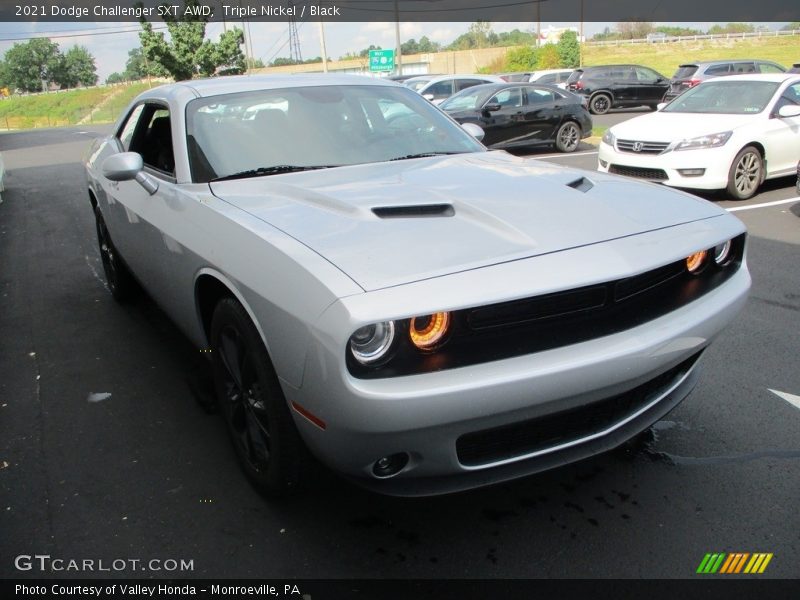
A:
(375, 289)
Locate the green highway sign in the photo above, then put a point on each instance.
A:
(381, 60)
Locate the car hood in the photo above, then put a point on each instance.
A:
(669, 127)
(391, 223)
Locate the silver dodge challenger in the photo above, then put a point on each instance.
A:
(377, 291)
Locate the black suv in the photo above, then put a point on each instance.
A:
(614, 86)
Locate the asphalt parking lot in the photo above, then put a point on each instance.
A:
(140, 471)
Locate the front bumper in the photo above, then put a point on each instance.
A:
(426, 415)
(665, 168)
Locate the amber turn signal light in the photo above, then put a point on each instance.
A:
(695, 262)
(428, 332)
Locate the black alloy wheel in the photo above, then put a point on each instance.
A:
(251, 400)
(600, 104)
(119, 280)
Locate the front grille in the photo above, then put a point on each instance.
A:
(639, 172)
(646, 147)
(518, 439)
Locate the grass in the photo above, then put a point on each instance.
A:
(666, 57)
(67, 108)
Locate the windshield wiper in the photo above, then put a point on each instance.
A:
(424, 155)
(273, 170)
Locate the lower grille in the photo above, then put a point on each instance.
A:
(518, 439)
(639, 172)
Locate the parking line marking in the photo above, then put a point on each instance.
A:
(790, 398)
(765, 204)
(561, 154)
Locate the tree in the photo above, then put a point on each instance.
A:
(138, 67)
(732, 28)
(188, 53)
(791, 27)
(75, 68)
(549, 58)
(426, 45)
(116, 78)
(569, 50)
(524, 58)
(32, 66)
(634, 30)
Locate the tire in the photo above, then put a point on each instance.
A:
(600, 104)
(120, 282)
(746, 174)
(250, 399)
(568, 137)
(653, 107)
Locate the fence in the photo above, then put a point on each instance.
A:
(690, 38)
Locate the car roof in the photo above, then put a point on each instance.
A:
(244, 83)
(699, 63)
(434, 79)
(776, 77)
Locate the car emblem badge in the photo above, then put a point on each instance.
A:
(637, 146)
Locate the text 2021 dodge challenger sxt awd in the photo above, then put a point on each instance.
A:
(376, 287)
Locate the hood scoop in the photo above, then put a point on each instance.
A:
(414, 211)
(581, 184)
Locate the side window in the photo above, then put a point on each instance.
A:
(537, 96)
(154, 140)
(462, 84)
(125, 133)
(744, 67)
(509, 98)
(718, 70)
(769, 68)
(789, 97)
(551, 78)
(443, 89)
(646, 75)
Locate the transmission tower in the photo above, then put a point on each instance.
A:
(294, 39)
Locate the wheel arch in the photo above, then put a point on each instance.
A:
(211, 286)
(763, 152)
(605, 92)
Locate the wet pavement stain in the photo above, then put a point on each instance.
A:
(573, 506)
(603, 501)
(494, 514)
(593, 521)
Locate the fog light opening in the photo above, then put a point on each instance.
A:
(692, 172)
(603, 163)
(391, 465)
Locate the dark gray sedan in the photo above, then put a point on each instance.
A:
(514, 115)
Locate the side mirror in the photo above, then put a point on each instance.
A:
(474, 130)
(492, 107)
(428, 97)
(661, 105)
(789, 110)
(126, 166)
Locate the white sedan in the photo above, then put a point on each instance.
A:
(730, 133)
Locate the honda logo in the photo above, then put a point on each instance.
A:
(637, 146)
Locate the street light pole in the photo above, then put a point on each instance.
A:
(399, 52)
(322, 47)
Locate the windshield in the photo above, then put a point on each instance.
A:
(417, 84)
(315, 127)
(724, 97)
(465, 100)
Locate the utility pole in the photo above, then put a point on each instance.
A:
(399, 52)
(580, 40)
(322, 47)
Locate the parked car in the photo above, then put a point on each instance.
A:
(690, 74)
(795, 68)
(557, 77)
(419, 313)
(520, 115)
(437, 89)
(727, 133)
(617, 86)
(798, 178)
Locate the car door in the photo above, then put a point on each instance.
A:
(134, 216)
(502, 117)
(543, 113)
(439, 91)
(651, 85)
(625, 85)
(782, 134)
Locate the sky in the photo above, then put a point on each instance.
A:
(109, 43)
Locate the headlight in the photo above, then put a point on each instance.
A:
(370, 343)
(715, 140)
(696, 261)
(722, 253)
(609, 138)
(429, 331)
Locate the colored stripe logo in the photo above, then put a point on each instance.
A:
(734, 562)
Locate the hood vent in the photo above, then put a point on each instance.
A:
(581, 184)
(414, 211)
